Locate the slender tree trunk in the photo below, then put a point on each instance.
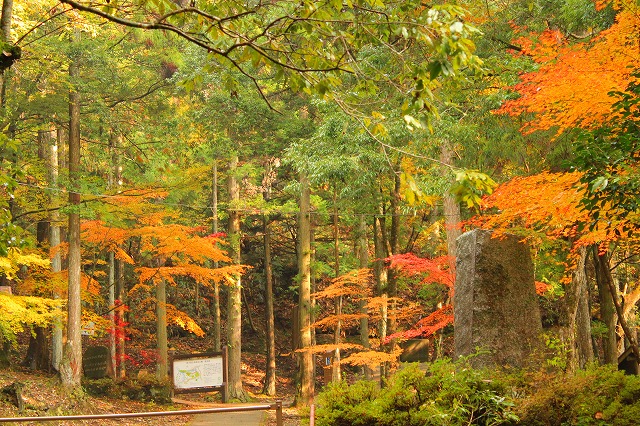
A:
(56, 259)
(335, 367)
(380, 275)
(217, 346)
(394, 235)
(245, 302)
(121, 319)
(607, 308)
(119, 287)
(307, 379)
(576, 332)
(71, 369)
(363, 262)
(5, 20)
(111, 283)
(451, 209)
(5, 37)
(270, 370)
(630, 334)
(37, 357)
(234, 309)
(162, 370)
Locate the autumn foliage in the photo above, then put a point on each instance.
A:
(573, 84)
(429, 271)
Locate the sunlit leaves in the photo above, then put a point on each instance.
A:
(15, 259)
(18, 312)
(471, 185)
(574, 83)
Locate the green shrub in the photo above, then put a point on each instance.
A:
(145, 388)
(449, 393)
(595, 396)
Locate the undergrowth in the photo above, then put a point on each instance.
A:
(454, 394)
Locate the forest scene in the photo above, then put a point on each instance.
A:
(288, 187)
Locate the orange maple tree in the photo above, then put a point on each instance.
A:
(574, 83)
(429, 271)
(547, 207)
(165, 251)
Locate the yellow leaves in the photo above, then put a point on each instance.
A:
(372, 359)
(182, 320)
(347, 320)
(10, 264)
(319, 349)
(353, 283)
(16, 312)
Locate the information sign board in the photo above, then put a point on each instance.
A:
(203, 372)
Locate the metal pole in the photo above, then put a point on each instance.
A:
(148, 414)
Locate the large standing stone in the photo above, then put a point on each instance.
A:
(495, 303)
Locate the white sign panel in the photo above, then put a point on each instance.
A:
(198, 373)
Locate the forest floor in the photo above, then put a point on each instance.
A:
(44, 396)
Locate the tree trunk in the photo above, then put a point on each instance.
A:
(307, 379)
(607, 309)
(37, 357)
(234, 307)
(5, 20)
(216, 286)
(56, 259)
(121, 319)
(363, 262)
(5, 37)
(162, 370)
(394, 235)
(270, 368)
(380, 275)
(335, 367)
(71, 369)
(451, 209)
(630, 334)
(576, 333)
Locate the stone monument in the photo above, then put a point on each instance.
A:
(496, 309)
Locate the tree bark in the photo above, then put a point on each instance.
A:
(162, 370)
(335, 367)
(216, 286)
(576, 333)
(56, 259)
(121, 319)
(307, 379)
(270, 368)
(234, 307)
(607, 308)
(363, 262)
(71, 369)
(5, 37)
(629, 333)
(380, 275)
(37, 357)
(451, 209)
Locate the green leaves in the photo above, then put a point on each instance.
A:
(470, 186)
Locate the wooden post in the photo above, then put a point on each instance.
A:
(225, 383)
(279, 412)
